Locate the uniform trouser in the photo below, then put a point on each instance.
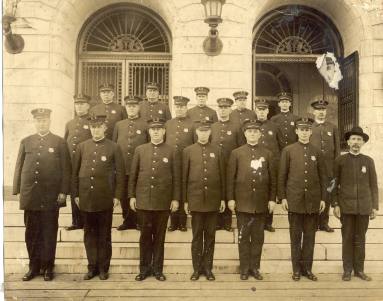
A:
(354, 228)
(202, 247)
(152, 240)
(77, 219)
(302, 248)
(225, 218)
(41, 238)
(178, 218)
(250, 240)
(129, 216)
(98, 239)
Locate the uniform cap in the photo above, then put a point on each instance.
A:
(251, 124)
(240, 95)
(132, 100)
(304, 122)
(356, 131)
(41, 113)
(319, 104)
(204, 124)
(152, 85)
(180, 100)
(106, 87)
(225, 102)
(285, 96)
(261, 103)
(96, 119)
(81, 98)
(156, 123)
(201, 90)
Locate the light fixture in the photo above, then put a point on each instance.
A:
(212, 45)
(14, 43)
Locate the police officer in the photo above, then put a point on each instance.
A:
(128, 134)
(285, 121)
(113, 111)
(227, 135)
(154, 189)
(325, 137)
(42, 182)
(269, 139)
(356, 200)
(180, 134)
(98, 186)
(201, 110)
(302, 183)
(152, 107)
(203, 189)
(251, 191)
(76, 131)
(241, 113)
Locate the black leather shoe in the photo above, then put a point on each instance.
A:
(160, 276)
(183, 229)
(309, 275)
(29, 275)
(269, 228)
(296, 276)
(48, 275)
(194, 276)
(244, 276)
(326, 228)
(103, 275)
(141, 277)
(209, 275)
(256, 274)
(122, 227)
(346, 276)
(90, 275)
(228, 228)
(172, 228)
(362, 276)
(73, 227)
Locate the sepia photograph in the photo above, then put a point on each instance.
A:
(192, 150)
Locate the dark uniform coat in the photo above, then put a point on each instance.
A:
(286, 128)
(239, 116)
(227, 135)
(114, 113)
(98, 175)
(203, 177)
(155, 176)
(128, 134)
(325, 137)
(76, 131)
(157, 109)
(356, 189)
(269, 138)
(251, 178)
(42, 172)
(180, 132)
(198, 113)
(302, 178)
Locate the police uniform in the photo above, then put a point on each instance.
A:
(228, 136)
(285, 122)
(251, 182)
(154, 110)
(325, 137)
(154, 181)
(203, 188)
(98, 178)
(76, 131)
(302, 181)
(113, 111)
(198, 113)
(128, 134)
(42, 172)
(356, 193)
(180, 133)
(238, 116)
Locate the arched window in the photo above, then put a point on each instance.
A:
(126, 45)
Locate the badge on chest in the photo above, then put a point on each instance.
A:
(257, 163)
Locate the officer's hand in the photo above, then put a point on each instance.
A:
(271, 206)
(174, 206)
(116, 202)
(231, 205)
(336, 212)
(285, 206)
(77, 201)
(322, 206)
(186, 208)
(222, 207)
(61, 199)
(133, 203)
(373, 213)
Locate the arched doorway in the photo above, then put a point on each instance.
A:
(290, 39)
(126, 45)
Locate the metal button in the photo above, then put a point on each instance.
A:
(151, 186)
(36, 182)
(36, 172)
(91, 187)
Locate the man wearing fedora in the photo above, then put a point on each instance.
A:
(152, 107)
(325, 137)
(76, 131)
(154, 190)
(98, 186)
(114, 112)
(355, 201)
(180, 133)
(42, 182)
(201, 110)
(128, 134)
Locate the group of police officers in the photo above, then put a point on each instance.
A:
(201, 163)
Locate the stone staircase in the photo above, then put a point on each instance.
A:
(71, 257)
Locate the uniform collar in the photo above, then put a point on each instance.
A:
(134, 118)
(303, 144)
(251, 145)
(99, 140)
(38, 134)
(157, 144)
(224, 121)
(181, 118)
(200, 144)
(83, 116)
(354, 155)
(317, 122)
(109, 103)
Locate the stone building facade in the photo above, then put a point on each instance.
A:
(58, 58)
